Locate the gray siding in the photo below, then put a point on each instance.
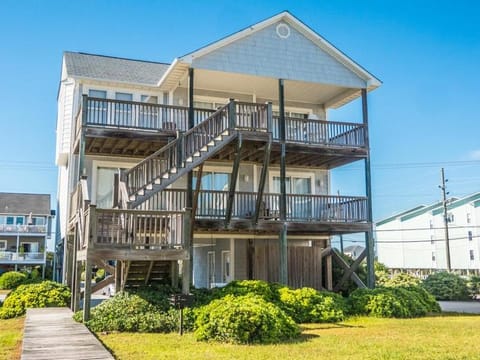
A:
(264, 53)
(241, 260)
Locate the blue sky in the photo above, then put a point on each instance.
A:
(425, 116)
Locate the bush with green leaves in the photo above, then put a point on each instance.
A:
(307, 305)
(244, 319)
(268, 291)
(99, 275)
(158, 295)
(396, 302)
(129, 312)
(44, 294)
(399, 280)
(474, 286)
(446, 286)
(11, 279)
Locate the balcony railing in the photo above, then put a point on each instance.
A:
(137, 115)
(312, 208)
(310, 131)
(39, 229)
(136, 229)
(19, 257)
(109, 113)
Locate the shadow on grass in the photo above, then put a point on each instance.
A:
(330, 326)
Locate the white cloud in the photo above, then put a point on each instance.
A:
(474, 155)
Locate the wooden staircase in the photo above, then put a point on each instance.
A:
(177, 158)
(141, 273)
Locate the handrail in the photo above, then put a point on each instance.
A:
(313, 131)
(174, 154)
(212, 204)
(139, 115)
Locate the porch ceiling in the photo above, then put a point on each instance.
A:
(267, 88)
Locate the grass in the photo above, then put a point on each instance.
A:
(437, 337)
(11, 332)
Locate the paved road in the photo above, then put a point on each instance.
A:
(469, 307)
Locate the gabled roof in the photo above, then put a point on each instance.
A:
(397, 216)
(114, 69)
(371, 80)
(459, 202)
(24, 204)
(421, 211)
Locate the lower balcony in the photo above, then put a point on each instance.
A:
(24, 258)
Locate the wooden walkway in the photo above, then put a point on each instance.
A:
(51, 333)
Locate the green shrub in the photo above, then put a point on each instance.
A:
(397, 302)
(268, 291)
(446, 286)
(158, 296)
(127, 312)
(99, 275)
(399, 280)
(44, 294)
(244, 319)
(307, 305)
(474, 286)
(12, 279)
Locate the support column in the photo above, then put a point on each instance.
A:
(188, 244)
(81, 146)
(189, 199)
(369, 245)
(283, 275)
(118, 275)
(87, 293)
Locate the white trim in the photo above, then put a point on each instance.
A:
(279, 28)
(225, 278)
(210, 283)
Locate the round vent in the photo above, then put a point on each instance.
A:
(283, 30)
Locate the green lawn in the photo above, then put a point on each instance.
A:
(439, 337)
(11, 332)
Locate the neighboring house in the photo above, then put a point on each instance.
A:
(414, 240)
(25, 226)
(235, 136)
(354, 251)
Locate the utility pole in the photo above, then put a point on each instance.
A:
(445, 219)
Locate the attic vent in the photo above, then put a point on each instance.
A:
(283, 30)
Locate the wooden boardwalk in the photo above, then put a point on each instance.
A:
(51, 333)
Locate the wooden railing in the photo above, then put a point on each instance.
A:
(252, 117)
(310, 131)
(136, 115)
(213, 204)
(136, 229)
(79, 197)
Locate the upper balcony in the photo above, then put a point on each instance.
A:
(129, 128)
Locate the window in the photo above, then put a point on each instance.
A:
(105, 182)
(433, 256)
(226, 277)
(297, 206)
(472, 256)
(3, 245)
(469, 218)
(213, 201)
(211, 268)
(38, 220)
(470, 236)
(10, 220)
(97, 109)
(3, 220)
(148, 115)
(123, 110)
(19, 220)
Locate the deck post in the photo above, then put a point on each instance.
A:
(189, 197)
(81, 147)
(283, 275)
(187, 264)
(233, 181)
(118, 275)
(368, 185)
(87, 293)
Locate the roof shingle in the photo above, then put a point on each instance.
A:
(113, 69)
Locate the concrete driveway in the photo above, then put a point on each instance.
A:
(468, 307)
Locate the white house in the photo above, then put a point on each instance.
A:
(218, 161)
(415, 239)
